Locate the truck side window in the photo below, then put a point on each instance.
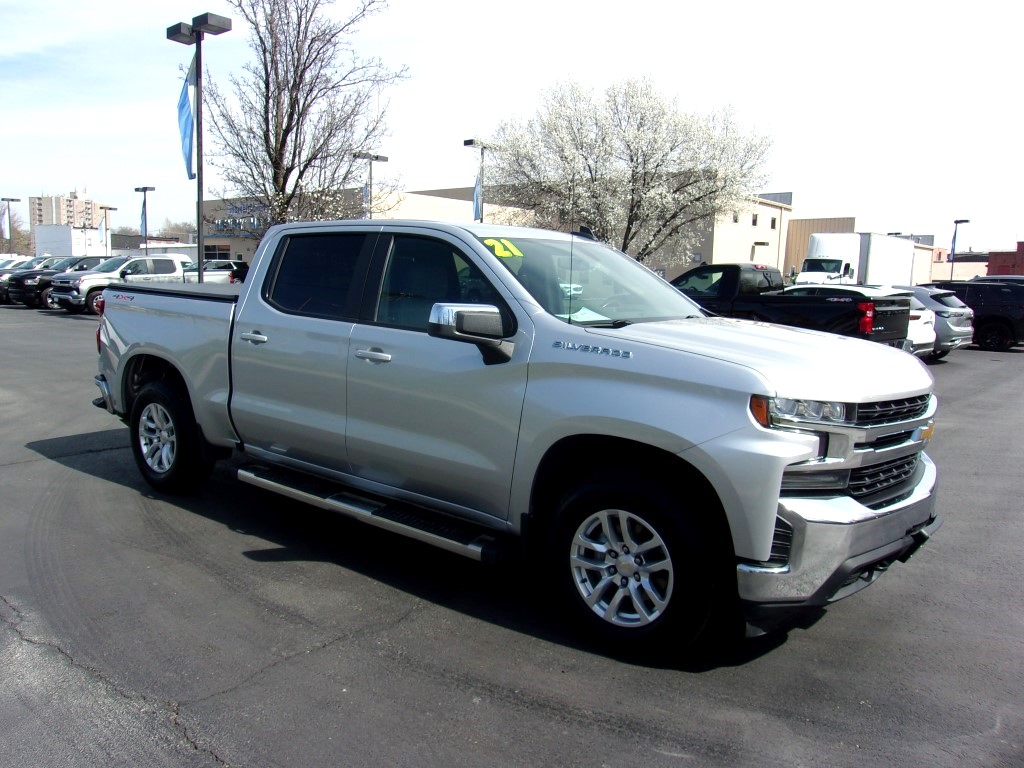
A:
(753, 283)
(706, 283)
(314, 275)
(420, 272)
(163, 267)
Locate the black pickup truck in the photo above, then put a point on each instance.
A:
(753, 292)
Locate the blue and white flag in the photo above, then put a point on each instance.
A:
(186, 124)
(103, 231)
(478, 203)
(142, 222)
(5, 217)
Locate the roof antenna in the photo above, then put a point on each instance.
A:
(585, 232)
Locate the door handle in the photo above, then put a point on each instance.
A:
(373, 355)
(254, 336)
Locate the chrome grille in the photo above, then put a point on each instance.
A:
(878, 477)
(782, 542)
(888, 411)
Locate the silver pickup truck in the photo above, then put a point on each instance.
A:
(667, 472)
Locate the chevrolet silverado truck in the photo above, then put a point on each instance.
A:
(660, 471)
(752, 292)
(79, 292)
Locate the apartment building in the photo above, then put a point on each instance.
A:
(70, 210)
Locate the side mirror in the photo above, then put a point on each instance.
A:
(124, 273)
(480, 324)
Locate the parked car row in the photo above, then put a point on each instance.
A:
(943, 315)
(76, 284)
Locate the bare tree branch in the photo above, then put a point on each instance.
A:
(287, 128)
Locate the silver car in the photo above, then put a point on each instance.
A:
(954, 320)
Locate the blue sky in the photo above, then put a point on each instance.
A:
(902, 114)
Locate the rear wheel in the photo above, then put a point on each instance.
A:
(635, 566)
(994, 336)
(166, 441)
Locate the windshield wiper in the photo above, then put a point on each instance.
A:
(609, 324)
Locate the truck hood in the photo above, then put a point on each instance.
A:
(87, 274)
(794, 361)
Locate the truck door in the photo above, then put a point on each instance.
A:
(290, 347)
(430, 416)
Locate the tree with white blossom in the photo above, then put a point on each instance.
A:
(641, 174)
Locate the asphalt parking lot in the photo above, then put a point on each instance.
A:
(238, 628)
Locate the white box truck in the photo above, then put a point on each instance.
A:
(862, 258)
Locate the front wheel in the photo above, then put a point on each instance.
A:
(92, 301)
(47, 301)
(635, 566)
(166, 441)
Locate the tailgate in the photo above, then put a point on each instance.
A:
(892, 319)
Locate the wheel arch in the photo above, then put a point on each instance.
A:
(575, 460)
(142, 369)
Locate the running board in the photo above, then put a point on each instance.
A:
(443, 531)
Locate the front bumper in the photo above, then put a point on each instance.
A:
(24, 295)
(838, 548)
(64, 297)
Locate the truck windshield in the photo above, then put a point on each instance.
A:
(111, 265)
(583, 282)
(823, 265)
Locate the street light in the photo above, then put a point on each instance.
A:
(10, 227)
(478, 192)
(952, 251)
(106, 227)
(372, 158)
(145, 216)
(192, 34)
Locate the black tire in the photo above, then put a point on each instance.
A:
(938, 355)
(637, 568)
(91, 301)
(166, 442)
(993, 336)
(45, 302)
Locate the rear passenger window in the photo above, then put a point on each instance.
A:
(163, 267)
(316, 275)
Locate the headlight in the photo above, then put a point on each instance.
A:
(807, 410)
(769, 411)
(31, 281)
(76, 283)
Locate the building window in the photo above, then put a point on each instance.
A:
(753, 220)
(774, 221)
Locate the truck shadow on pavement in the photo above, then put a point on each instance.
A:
(505, 594)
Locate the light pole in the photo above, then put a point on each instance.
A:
(478, 193)
(952, 250)
(10, 227)
(145, 217)
(372, 158)
(192, 34)
(106, 227)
